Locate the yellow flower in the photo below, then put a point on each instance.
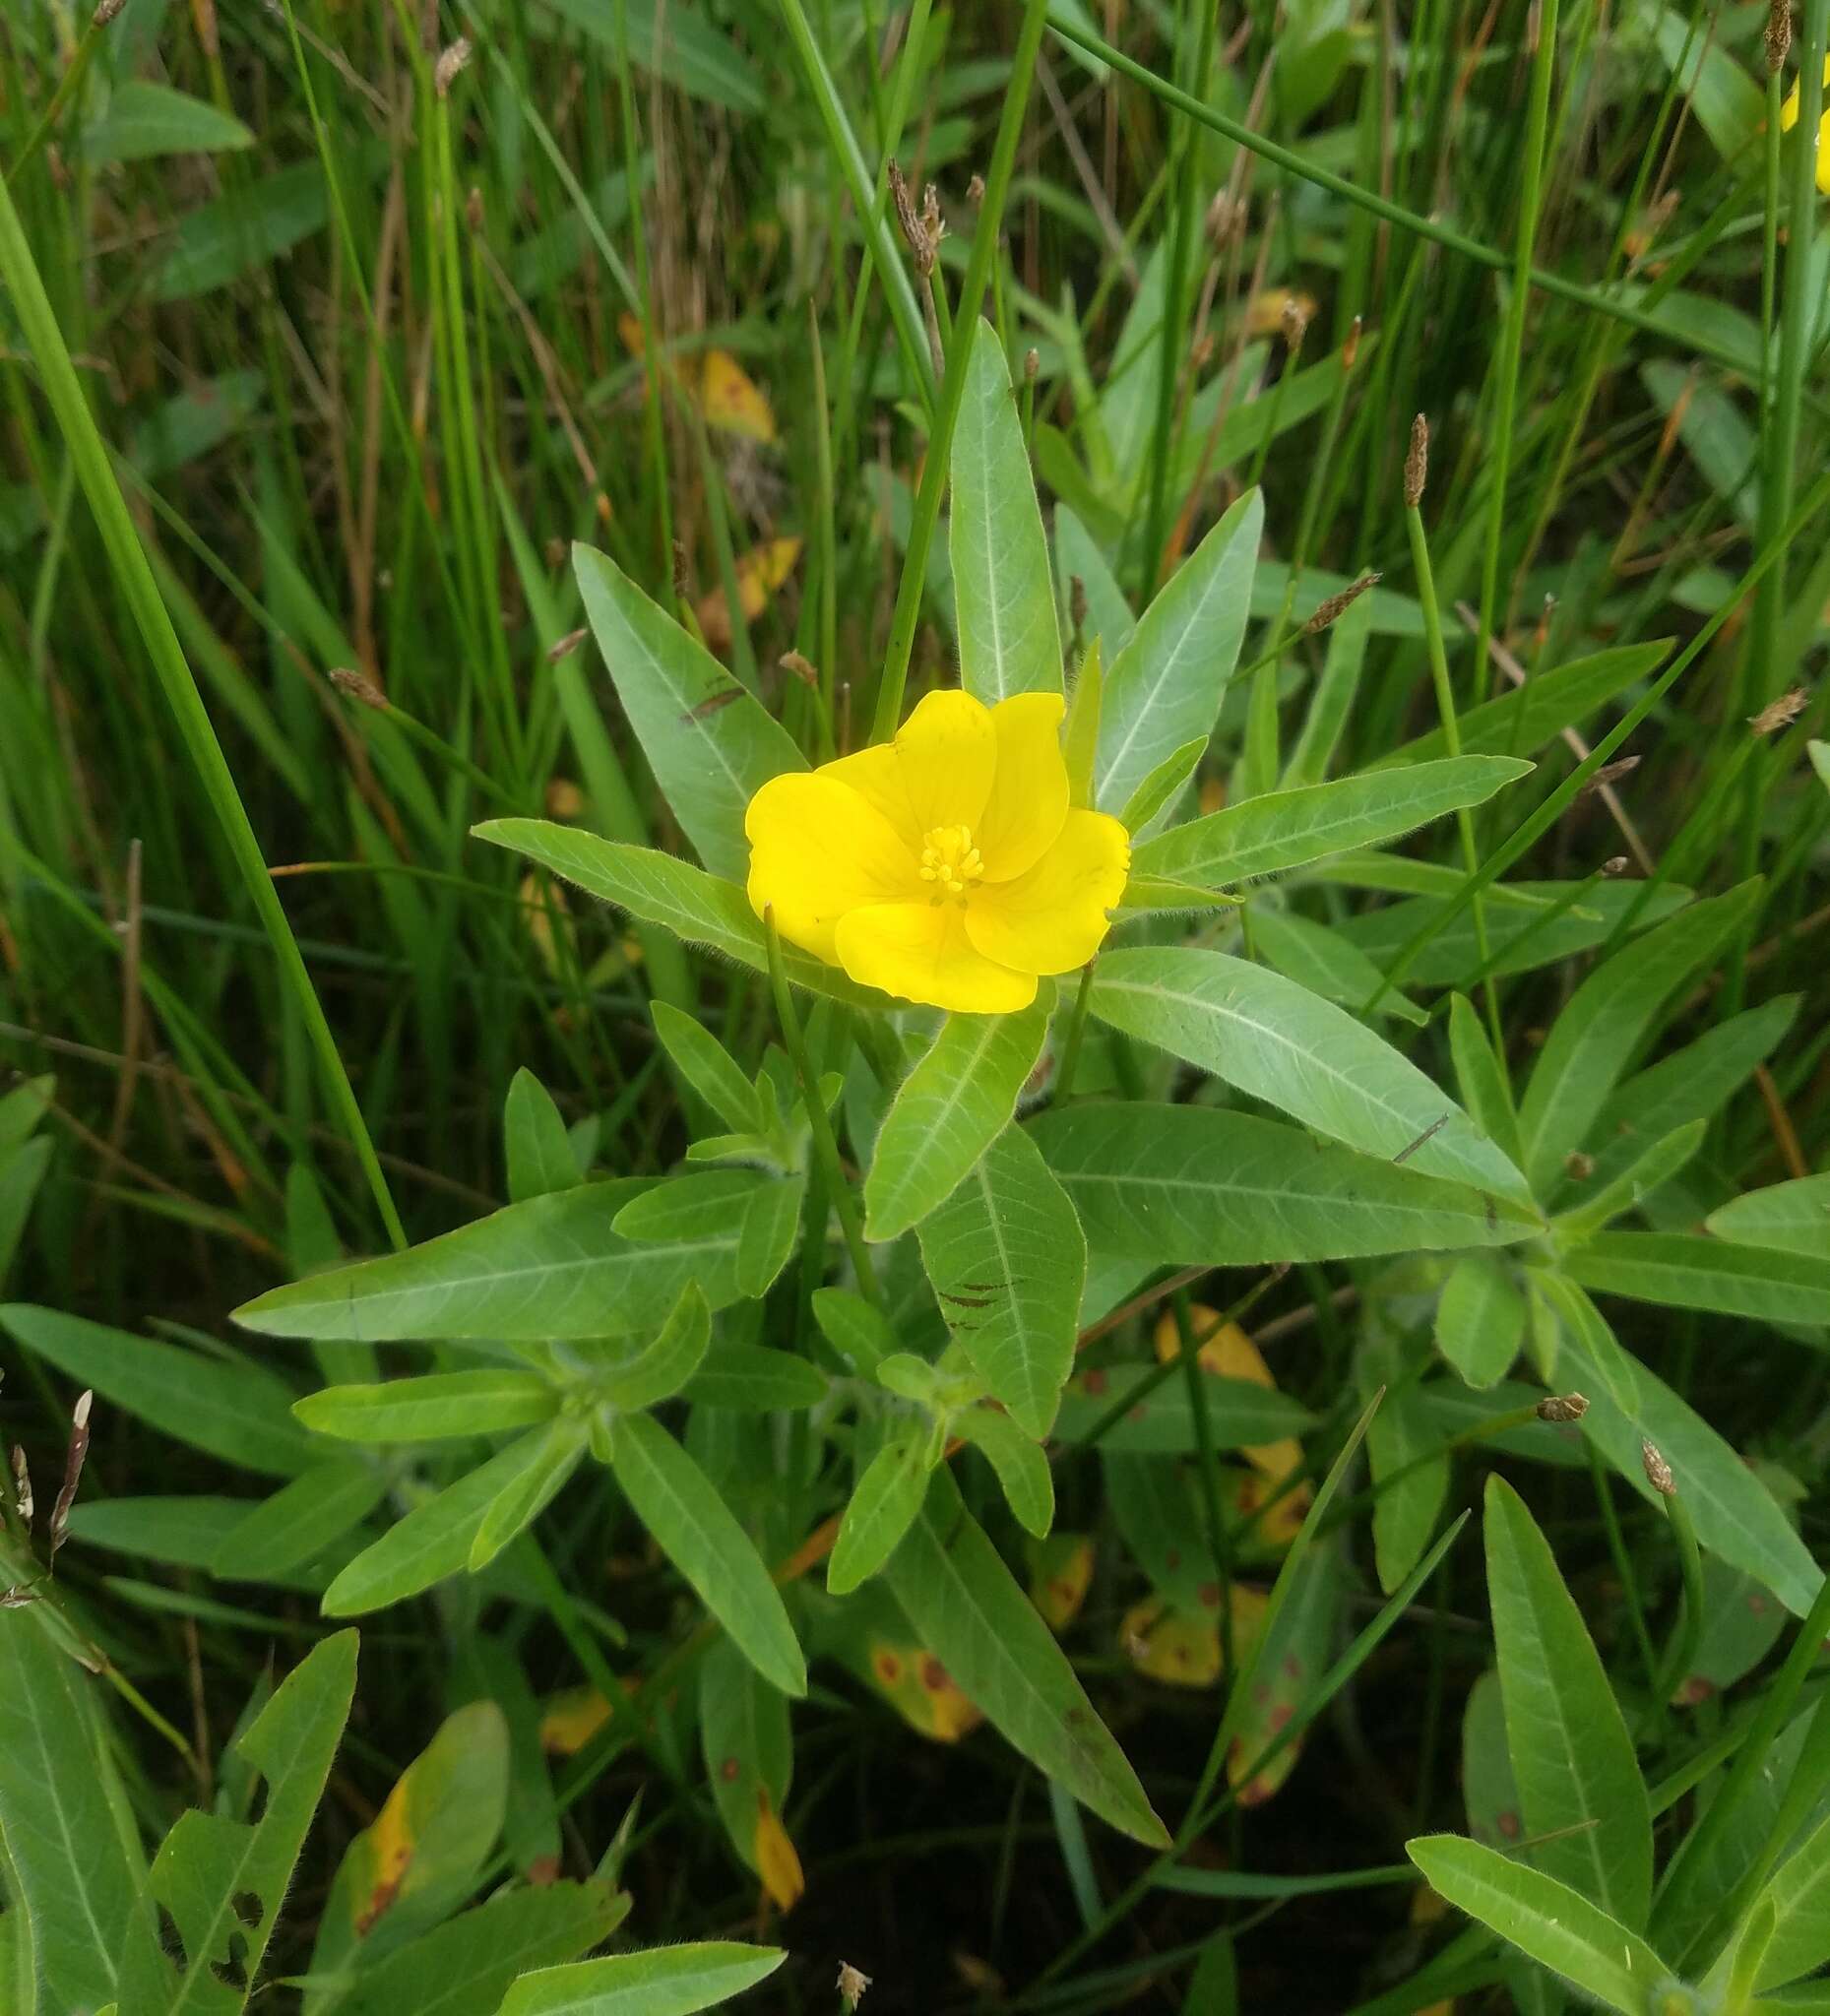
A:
(1789, 118)
(946, 866)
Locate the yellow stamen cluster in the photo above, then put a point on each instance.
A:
(950, 859)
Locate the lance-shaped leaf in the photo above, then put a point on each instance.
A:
(1785, 1217)
(1283, 1044)
(1521, 723)
(541, 1156)
(1007, 1260)
(967, 1610)
(883, 1506)
(1194, 1185)
(1685, 1272)
(708, 738)
(948, 1111)
(1002, 585)
(549, 1268)
(665, 1981)
(427, 1410)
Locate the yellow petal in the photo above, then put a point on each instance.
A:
(876, 775)
(1053, 919)
(729, 399)
(948, 749)
(817, 850)
(1024, 815)
(918, 952)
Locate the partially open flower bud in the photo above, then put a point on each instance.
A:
(1416, 463)
(1562, 1407)
(1657, 1471)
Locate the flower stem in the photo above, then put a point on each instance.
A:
(825, 1144)
(1076, 1032)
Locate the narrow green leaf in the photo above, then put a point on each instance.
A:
(1641, 1178)
(948, 1111)
(236, 1411)
(1554, 1924)
(767, 1232)
(1799, 1892)
(1479, 1319)
(1023, 1472)
(145, 120)
(540, 1159)
(668, 1361)
(549, 1268)
(708, 1067)
(683, 50)
(1158, 791)
(1002, 588)
(528, 1492)
(1080, 733)
(1327, 712)
(969, 1612)
(883, 1506)
(1283, 830)
(301, 1520)
(1685, 1272)
(431, 1409)
(1197, 1186)
(707, 739)
(1163, 687)
(1319, 956)
(1110, 621)
(1482, 1077)
(681, 1508)
(1604, 1022)
(1580, 1792)
(748, 1378)
(1278, 1042)
(1785, 1217)
(1007, 1261)
(665, 1981)
(1521, 723)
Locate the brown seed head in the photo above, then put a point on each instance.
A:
(1579, 1167)
(1032, 366)
(1657, 1471)
(358, 686)
(975, 191)
(1777, 36)
(1609, 773)
(803, 668)
(105, 11)
(566, 646)
(1416, 463)
(1615, 866)
(451, 65)
(1780, 714)
(1294, 322)
(1222, 220)
(1350, 350)
(1329, 610)
(1562, 1407)
(914, 230)
(22, 1486)
(852, 1984)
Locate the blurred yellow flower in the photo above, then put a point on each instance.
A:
(1789, 118)
(946, 866)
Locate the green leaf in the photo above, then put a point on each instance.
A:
(1275, 1040)
(1685, 1272)
(667, 1363)
(1003, 592)
(1580, 1792)
(948, 1111)
(766, 1235)
(67, 1842)
(1604, 1022)
(1023, 1472)
(1283, 830)
(181, 1529)
(22, 1170)
(681, 1508)
(1734, 1514)
(707, 737)
(855, 1329)
(1482, 1077)
(432, 1409)
(301, 1520)
(748, 1378)
(1404, 1450)
(1553, 1924)
(1640, 1180)
(683, 49)
(145, 120)
(969, 1612)
(1785, 1217)
(709, 1068)
(1161, 789)
(1798, 1891)
(528, 1492)
(1163, 687)
(1724, 99)
(235, 1411)
(701, 909)
(1521, 723)
(883, 1506)
(541, 1158)
(1327, 712)
(433, 1540)
(465, 1967)
(1080, 733)
(549, 1268)
(223, 1880)
(1110, 621)
(1007, 1261)
(1196, 1185)
(1317, 957)
(667, 1980)
(1479, 1319)
(746, 1741)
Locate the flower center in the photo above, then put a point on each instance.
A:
(950, 861)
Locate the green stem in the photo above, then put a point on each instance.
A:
(1682, 1653)
(825, 1144)
(927, 515)
(1544, 65)
(68, 84)
(1076, 1034)
(134, 577)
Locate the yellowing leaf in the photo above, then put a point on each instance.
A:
(776, 1862)
(1224, 1349)
(1182, 1647)
(572, 1717)
(1060, 1574)
(759, 572)
(921, 1690)
(729, 399)
(1265, 312)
